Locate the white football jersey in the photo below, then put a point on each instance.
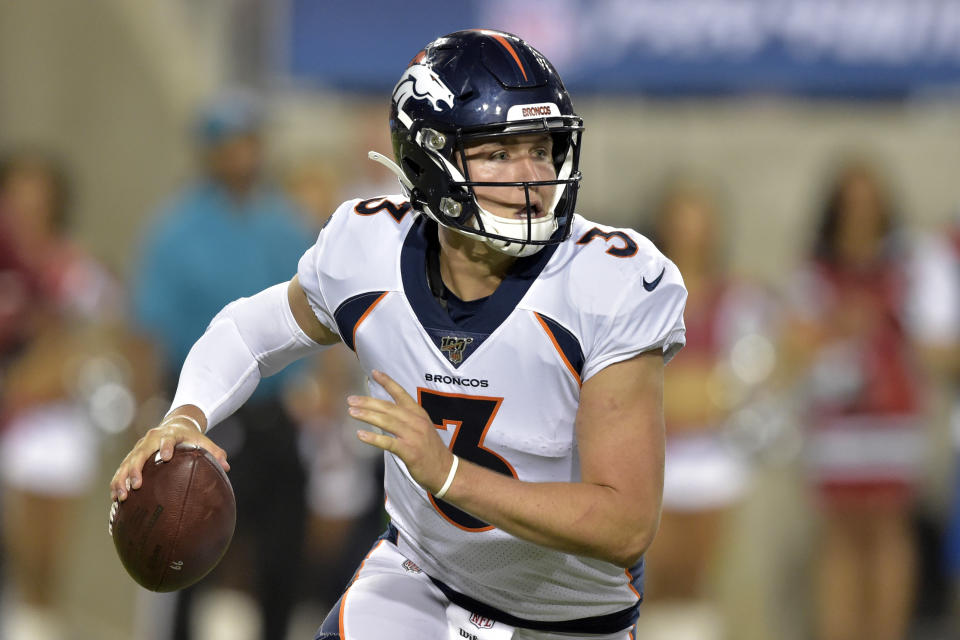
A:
(503, 387)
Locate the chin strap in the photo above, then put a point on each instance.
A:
(392, 166)
(514, 246)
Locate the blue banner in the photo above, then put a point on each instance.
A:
(858, 48)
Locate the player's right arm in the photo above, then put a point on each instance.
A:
(250, 338)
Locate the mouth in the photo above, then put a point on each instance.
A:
(535, 210)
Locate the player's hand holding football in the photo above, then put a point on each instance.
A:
(163, 438)
(415, 440)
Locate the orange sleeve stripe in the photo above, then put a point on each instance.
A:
(364, 317)
(556, 345)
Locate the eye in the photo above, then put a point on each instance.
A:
(541, 154)
(499, 155)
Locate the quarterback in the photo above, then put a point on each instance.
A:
(514, 353)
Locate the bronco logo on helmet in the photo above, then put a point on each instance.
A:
(420, 83)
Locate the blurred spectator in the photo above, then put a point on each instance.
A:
(706, 474)
(63, 374)
(344, 495)
(864, 417)
(228, 235)
(935, 324)
(313, 183)
(368, 179)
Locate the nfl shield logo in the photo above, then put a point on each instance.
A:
(480, 622)
(454, 347)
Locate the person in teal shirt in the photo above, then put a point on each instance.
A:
(226, 235)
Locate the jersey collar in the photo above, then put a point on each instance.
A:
(435, 319)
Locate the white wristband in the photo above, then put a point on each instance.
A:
(170, 419)
(446, 485)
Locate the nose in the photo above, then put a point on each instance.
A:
(528, 169)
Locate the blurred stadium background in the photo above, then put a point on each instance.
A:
(762, 99)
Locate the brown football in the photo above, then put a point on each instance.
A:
(176, 527)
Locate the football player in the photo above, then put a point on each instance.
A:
(514, 353)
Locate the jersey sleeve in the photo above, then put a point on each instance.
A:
(312, 266)
(641, 320)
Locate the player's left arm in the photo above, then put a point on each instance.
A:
(614, 511)
(611, 514)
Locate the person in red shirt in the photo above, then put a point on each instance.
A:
(863, 411)
(53, 295)
(728, 358)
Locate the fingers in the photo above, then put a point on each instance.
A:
(371, 403)
(368, 404)
(162, 440)
(378, 440)
(129, 476)
(219, 454)
(167, 445)
(379, 413)
(221, 458)
(123, 479)
(393, 388)
(169, 442)
(380, 419)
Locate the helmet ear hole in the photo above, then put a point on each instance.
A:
(561, 146)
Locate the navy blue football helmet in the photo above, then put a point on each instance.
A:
(467, 87)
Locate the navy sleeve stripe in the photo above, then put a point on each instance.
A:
(351, 313)
(566, 343)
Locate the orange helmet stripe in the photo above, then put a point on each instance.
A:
(506, 45)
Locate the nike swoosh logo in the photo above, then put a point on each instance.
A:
(650, 286)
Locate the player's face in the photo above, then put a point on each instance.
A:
(521, 158)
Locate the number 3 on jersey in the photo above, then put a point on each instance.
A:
(469, 417)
